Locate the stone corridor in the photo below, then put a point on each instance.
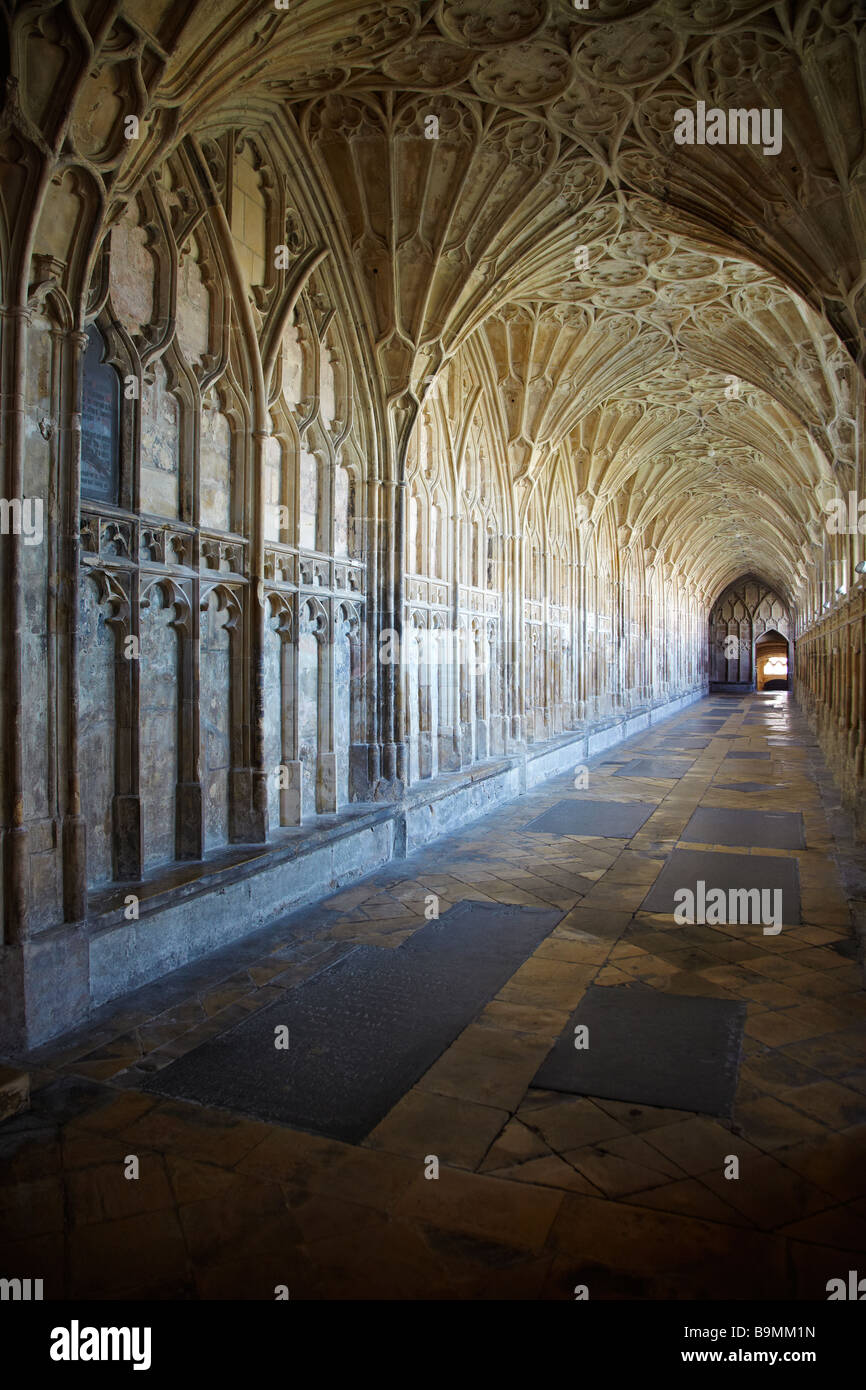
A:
(538, 1192)
(432, 588)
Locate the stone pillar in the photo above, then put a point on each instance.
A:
(580, 640)
(424, 708)
(189, 803)
(859, 731)
(365, 761)
(16, 851)
(390, 705)
(73, 830)
(249, 799)
(401, 756)
(127, 847)
(326, 763)
(290, 790)
(518, 655)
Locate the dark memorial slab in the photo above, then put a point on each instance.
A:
(764, 757)
(655, 767)
(678, 1051)
(748, 786)
(616, 818)
(362, 1032)
(687, 742)
(685, 867)
(760, 829)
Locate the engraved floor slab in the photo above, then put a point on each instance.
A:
(764, 757)
(746, 787)
(655, 767)
(622, 819)
(678, 1051)
(762, 829)
(686, 867)
(364, 1031)
(685, 741)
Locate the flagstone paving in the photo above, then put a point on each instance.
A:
(537, 1192)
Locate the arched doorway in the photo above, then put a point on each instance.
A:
(748, 632)
(771, 661)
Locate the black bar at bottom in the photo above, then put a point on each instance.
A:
(221, 1340)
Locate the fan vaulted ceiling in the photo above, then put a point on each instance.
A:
(699, 368)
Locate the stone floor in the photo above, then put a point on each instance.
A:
(538, 1192)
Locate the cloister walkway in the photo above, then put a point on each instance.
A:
(539, 1190)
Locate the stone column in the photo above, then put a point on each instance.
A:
(425, 707)
(401, 758)
(388, 732)
(290, 792)
(580, 640)
(518, 655)
(365, 761)
(454, 682)
(16, 854)
(189, 802)
(249, 800)
(70, 351)
(326, 763)
(859, 732)
(126, 824)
